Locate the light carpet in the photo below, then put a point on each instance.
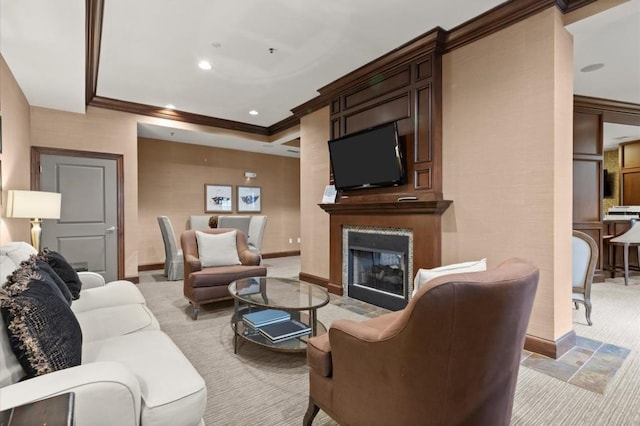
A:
(261, 387)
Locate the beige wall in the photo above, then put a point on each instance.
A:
(15, 155)
(102, 130)
(314, 161)
(171, 179)
(99, 130)
(508, 98)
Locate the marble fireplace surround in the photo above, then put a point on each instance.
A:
(346, 230)
(421, 218)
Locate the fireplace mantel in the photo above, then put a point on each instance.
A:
(422, 217)
(386, 207)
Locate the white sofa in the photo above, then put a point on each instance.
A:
(131, 372)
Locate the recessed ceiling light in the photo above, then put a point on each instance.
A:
(592, 67)
(170, 106)
(204, 65)
(253, 112)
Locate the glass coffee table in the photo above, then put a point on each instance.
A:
(299, 299)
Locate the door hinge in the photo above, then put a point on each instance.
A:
(40, 168)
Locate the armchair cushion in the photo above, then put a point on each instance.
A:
(64, 270)
(44, 334)
(424, 275)
(217, 249)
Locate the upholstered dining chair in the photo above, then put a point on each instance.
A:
(199, 221)
(256, 232)
(240, 222)
(584, 251)
(173, 262)
(629, 239)
(450, 357)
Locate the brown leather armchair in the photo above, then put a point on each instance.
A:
(207, 285)
(451, 357)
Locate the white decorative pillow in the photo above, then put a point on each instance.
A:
(424, 275)
(217, 249)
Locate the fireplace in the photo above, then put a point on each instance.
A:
(377, 265)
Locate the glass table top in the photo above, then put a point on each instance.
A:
(279, 293)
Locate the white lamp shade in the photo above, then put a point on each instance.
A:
(34, 204)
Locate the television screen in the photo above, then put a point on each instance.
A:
(369, 158)
(607, 187)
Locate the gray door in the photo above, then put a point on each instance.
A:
(86, 233)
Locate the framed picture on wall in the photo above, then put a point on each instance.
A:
(218, 198)
(249, 199)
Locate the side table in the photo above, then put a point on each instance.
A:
(54, 411)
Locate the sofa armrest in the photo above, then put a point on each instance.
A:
(105, 393)
(91, 279)
(192, 263)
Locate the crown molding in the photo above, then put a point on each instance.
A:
(612, 111)
(494, 20)
(172, 114)
(94, 16)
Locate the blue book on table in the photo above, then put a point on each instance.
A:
(265, 317)
(285, 330)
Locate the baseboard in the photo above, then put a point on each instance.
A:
(281, 254)
(135, 280)
(335, 289)
(313, 279)
(550, 348)
(151, 267)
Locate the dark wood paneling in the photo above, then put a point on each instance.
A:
(424, 69)
(384, 112)
(335, 106)
(335, 128)
(630, 173)
(588, 177)
(630, 188)
(587, 133)
(587, 193)
(422, 179)
(630, 155)
(422, 139)
(378, 86)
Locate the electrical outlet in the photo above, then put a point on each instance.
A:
(298, 239)
(290, 240)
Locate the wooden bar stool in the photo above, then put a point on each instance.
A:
(631, 238)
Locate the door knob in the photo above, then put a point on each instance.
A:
(111, 229)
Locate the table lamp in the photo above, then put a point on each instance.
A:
(35, 205)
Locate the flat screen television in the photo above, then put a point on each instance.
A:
(367, 159)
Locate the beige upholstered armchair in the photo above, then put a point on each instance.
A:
(451, 357)
(213, 258)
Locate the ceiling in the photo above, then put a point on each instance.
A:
(265, 56)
